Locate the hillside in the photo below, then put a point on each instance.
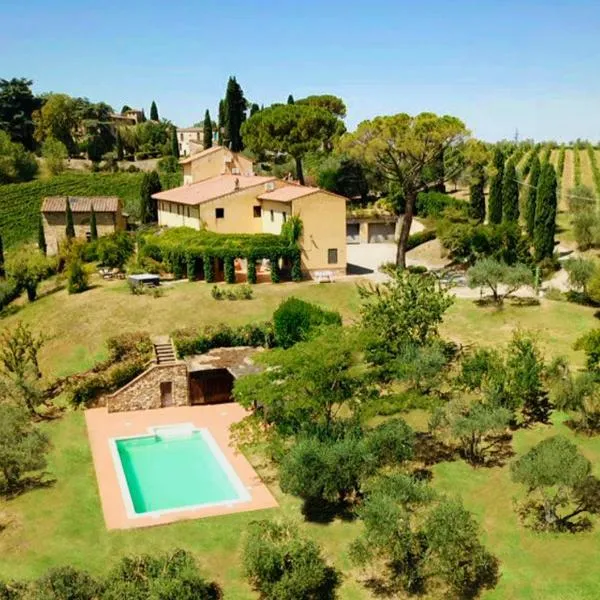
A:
(20, 202)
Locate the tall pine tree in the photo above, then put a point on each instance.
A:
(93, 226)
(545, 213)
(477, 193)
(2, 270)
(290, 99)
(153, 111)
(42, 236)
(510, 194)
(70, 228)
(235, 115)
(174, 143)
(148, 207)
(207, 131)
(495, 197)
(534, 176)
(254, 108)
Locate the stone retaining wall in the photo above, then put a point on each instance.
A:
(144, 391)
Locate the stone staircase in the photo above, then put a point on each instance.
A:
(164, 351)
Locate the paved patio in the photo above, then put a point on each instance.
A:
(102, 426)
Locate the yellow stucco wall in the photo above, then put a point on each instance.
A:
(238, 212)
(273, 215)
(177, 215)
(213, 164)
(324, 223)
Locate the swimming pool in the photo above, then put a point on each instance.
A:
(174, 468)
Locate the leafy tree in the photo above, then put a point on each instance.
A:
(311, 385)
(294, 129)
(329, 102)
(586, 228)
(281, 564)
(114, 250)
(125, 109)
(254, 108)
(477, 194)
(150, 185)
(65, 583)
(221, 124)
(17, 104)
(77, 276)
(119, 149)
(580, 395)
(590, 344)
(207, 131)
(22, 446)
(54, 153)
(70, 227)
(580, 272)
(495, 195)
(455, 552)
(545, 213)
(290, 99)
(153, 111)
(534, 176)
(580, 198)
(421, 366)
(492, 274)
(93, 226)
(16, 164)
(405, 310)
(27, 268)
(402, 148)
(2, 269)
(235, 106)
(390, 443)
(559, 481)
(476, 427)
(57, 119)
(294, 319)
(510, 194)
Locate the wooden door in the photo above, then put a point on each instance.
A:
(166, 393)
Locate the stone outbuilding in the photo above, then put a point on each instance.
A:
(109, 217)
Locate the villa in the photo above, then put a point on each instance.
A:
(221, 193)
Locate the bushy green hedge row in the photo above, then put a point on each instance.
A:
(433, 204)
(191, 340)
(20, 202)
(416, 239)
(183, 249)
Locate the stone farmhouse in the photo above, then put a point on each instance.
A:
(109, 217)
(221, 193)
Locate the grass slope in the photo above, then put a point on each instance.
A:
(20, 202)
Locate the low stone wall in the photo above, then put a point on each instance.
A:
(144, 391)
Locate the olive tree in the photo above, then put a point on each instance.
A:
(403, 149)
(501, 279)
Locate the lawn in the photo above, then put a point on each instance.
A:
(63, 523)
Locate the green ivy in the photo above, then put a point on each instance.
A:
(229, 269)
(209, 269)
(251, 270)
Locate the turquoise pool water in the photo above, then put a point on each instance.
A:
(176, 472)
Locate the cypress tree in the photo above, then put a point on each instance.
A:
(2, 270)
(42, 236)
(510, 194)
(93, 226)
(148, 208)
(545, 213)
(254, 108)
(207, 133)
(119, 146)
(495, 197)
(221, 122)
(153, 111)
(290, 99)
(70, 228)
(477, 193)
(534, 175)
(174, 143)
(235, 115)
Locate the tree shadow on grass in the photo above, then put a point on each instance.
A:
(430, 451)
(524, 301)
(318, 510)
(27, 484)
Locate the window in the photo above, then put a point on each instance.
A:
(219, 213)
(257, 211)
(88, 236)
(332, 257)
(181, 136)
(272, 216)
(284, 217)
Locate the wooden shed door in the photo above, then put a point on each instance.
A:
(166, 393)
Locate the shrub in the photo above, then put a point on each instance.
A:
(421, 237)
(127, 345)
(27, 267)
(54, 153)
(294, 319)
(114, 250)
(77, 277)
(16, 164)
(433, 204)
(590, 344)
(252, 270)
(490, 273)
(8, 292)
(124, 372)
(168, 164)
(281, 564)
(391, 442)
(65, 583)
(585, 228)
(580, 272)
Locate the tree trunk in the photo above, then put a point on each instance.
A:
(405, 230)
(299, 172)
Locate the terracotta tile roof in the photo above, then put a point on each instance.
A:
(210, 150)
(288, 193)
(210, 189)
(80, 204)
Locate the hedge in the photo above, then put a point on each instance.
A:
(20, 202)
(433, 204)
(416, 239)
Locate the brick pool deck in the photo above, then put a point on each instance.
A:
(102, 426)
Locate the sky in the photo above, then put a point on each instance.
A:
(499, 65)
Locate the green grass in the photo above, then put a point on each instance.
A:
(20, 202)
